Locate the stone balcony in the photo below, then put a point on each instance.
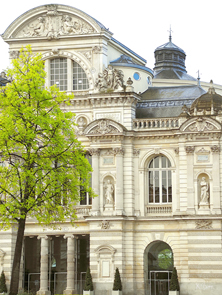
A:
(157, 123)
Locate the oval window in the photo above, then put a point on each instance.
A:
(136, 76)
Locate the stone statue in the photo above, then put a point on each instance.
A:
(109, 190)
(204, 191)
(110, 79)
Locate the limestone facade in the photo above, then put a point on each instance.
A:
(158, 177)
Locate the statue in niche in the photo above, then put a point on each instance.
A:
(204, 191)
(81, 123)
(109, 190)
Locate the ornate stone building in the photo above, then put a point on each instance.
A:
(154, 140)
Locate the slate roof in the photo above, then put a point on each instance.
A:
(126, 61)
(164, 102)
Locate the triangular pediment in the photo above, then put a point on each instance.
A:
(52, 21)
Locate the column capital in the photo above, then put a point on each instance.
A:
(118, 151)
(94, 152)
(72, 236)
(44, 237)
(215, 149)
(189, 149)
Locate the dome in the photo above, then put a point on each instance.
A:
(209, 103)
(170, 62)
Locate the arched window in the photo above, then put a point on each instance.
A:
(80, 80)
(159, 180)
(63, 70)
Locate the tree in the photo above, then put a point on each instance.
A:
(43, 165)
(117, 285)
(174, 283)
(88, 283)
(3, 287)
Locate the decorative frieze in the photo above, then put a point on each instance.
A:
(203, 224)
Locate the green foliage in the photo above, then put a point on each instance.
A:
(3, 287)
(174, 283)
(165, 259)
(117, 284)
(42, 163)
(88, 282)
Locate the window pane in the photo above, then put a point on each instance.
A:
(58, 73)
(164, 161)
(157, 188)
(150, 187)
(169, 187)
(156, 162)
(80, 80)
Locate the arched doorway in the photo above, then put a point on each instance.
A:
(158, 266)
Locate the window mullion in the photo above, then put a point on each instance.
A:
(69, 74)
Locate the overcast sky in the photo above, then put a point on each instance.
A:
(143, 25)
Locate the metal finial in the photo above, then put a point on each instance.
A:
(198, 78)
(170, 36)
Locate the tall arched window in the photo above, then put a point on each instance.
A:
(66, 73)
(160, 180)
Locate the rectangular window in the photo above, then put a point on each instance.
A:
(58, 73)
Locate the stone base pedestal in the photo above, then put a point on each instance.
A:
(69, 292)
(108, 209)
(204, 208)
(42, 292)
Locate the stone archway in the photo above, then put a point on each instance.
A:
(158, 266)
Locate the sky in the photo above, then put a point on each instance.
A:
(143, 25)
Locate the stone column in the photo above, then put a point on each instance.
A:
(190, 179)
(119, 180)
(70, 288)
(95, 180)
(137, 211)
(44, 273)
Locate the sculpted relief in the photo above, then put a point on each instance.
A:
(54, 24)
(110, 79)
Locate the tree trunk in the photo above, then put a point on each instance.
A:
(14, 284)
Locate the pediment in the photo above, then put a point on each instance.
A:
(200, 124)
(104, 127)
(52, 22)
